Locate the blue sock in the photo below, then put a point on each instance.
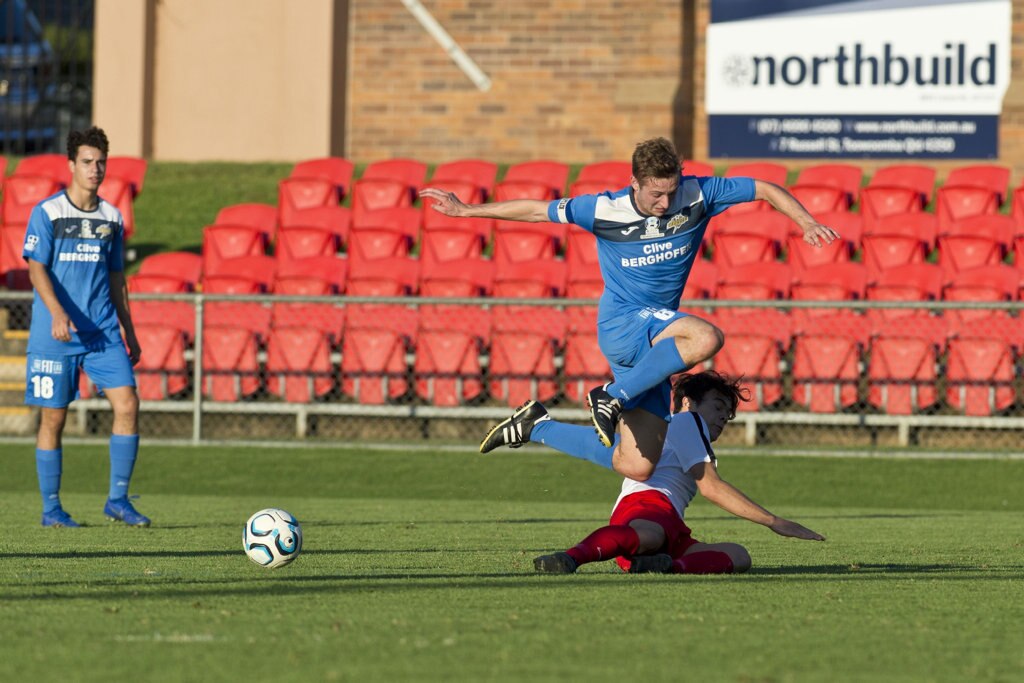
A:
(48, 468)
(660, 363)
(123, 451)
(575, 440)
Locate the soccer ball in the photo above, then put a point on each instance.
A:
(272, 538)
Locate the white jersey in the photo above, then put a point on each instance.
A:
(686, 445)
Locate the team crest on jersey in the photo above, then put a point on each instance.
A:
(30, 242)
(652, 229)
(85, 230)
(676, 222)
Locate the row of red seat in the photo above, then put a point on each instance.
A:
(528, 345)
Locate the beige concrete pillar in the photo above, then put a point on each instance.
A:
(122, 74)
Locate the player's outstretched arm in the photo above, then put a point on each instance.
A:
(524, 210)
(815, 233)
(732, 500)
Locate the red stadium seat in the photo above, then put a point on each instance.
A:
(980, 375)
(849, 226)
(118, 193)
(300, 242)
(334, 219)
(986, 176)
(756, 358)
(181, 315)
(820, 198)
(230, 365)
(829, 282)
(957, 202)
(585, 366)
(472, 320)
(3, 167)
(410, 172)
(698, 169)
(826, 362)
(374, 194)
(989, 283)
(616, 174)
(879, 201)
(240, 284)
(755, 281)
(881, 252)
(766, 171)
(477, 172)
(367, 244)
(250, 315)
(404, 219)
(920, 179)
(958, 253)
(902, 366)
(582, 187)
(770, 224)
(910, 282)
(301, 285)
(222, 242)
(335, 170)
(514, 245)
(387, 276)
(544, 180)
(844, 177)
(580, 248)
(702, 282)
(161, 372)
(522, 367)
(373, 367)
(439, 246)
(157, 284)
(529, 279)
(801, 255)
(750, 237)
(260, 269)
(22, 193)
(328, 318)
(1017, 210)
(180, 264)
(130, 169)
(447, 369)
(299, 367)
(13, 268)
(295, 194)
(330, 268)
(470, 277)
(263, 217)
(584, 281)
(922, 226)
(53, 166)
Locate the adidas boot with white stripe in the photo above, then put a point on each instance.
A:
(604, 413)
(515, 431)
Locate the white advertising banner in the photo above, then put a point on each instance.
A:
(865, 78)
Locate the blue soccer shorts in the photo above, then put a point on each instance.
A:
(52, 379)
(625, 339)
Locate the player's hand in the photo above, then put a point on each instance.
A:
(784, 527)
(62, 327)
(445, 202)
(818, 235)
(134, 350)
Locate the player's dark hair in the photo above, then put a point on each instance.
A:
(656, 158)
(699, 384)
(94, 137)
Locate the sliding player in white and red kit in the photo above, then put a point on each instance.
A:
(646, 532)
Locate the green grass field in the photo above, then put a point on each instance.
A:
(418, 566)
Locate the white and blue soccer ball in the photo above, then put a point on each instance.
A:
(272, 538)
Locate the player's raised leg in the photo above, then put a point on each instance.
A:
(531, 422)
(685, 342)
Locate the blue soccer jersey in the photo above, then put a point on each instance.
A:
(79, 249)
(645, 260)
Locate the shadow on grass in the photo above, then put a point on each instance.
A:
(281, 584)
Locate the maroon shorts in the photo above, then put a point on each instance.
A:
(654, 506)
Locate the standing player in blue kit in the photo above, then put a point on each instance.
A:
(74, 245)
(648, 235)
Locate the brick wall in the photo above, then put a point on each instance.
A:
(575, 81)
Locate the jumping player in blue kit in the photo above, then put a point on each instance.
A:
(648, 235)
(74, 246)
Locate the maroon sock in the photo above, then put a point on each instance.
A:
(606, 543)
(703, 562)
